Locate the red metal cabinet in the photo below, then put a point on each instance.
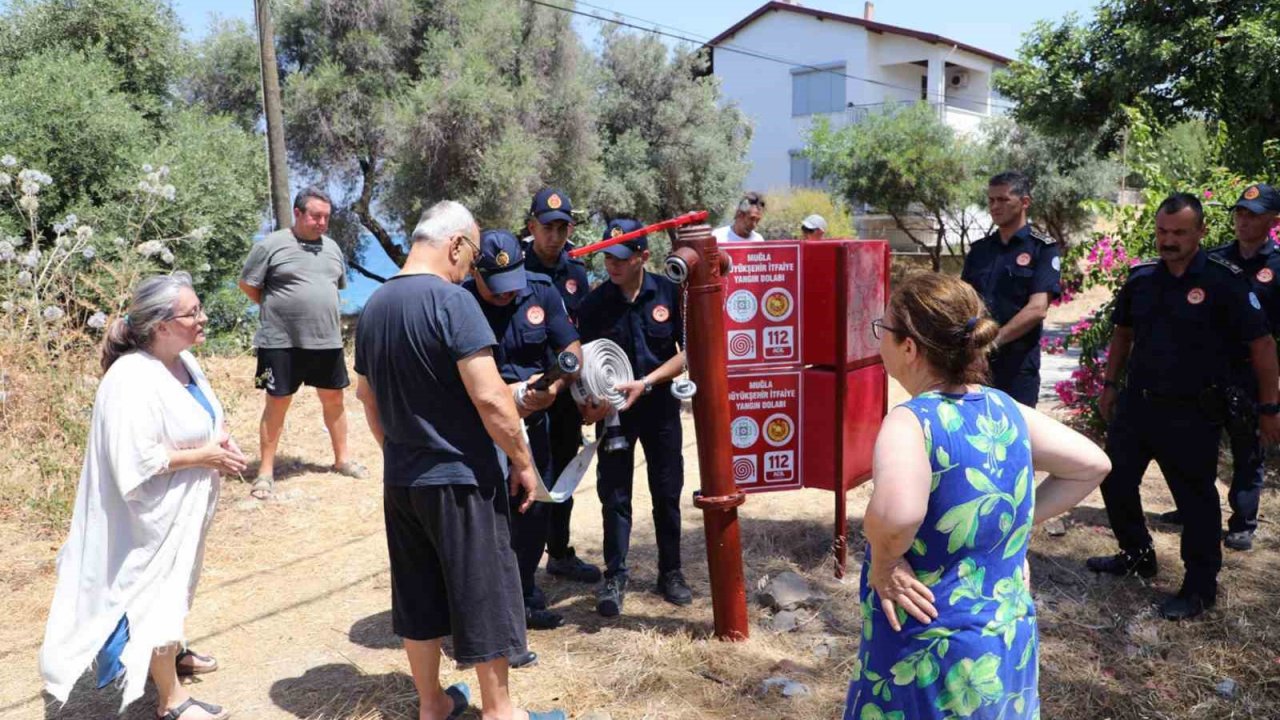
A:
(866, 397)
(867, 263)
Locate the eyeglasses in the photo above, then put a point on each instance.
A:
(878, 325)
(475, 254)
(197, 311)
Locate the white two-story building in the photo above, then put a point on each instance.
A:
(818, 63)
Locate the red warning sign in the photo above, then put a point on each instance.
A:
(764, 428)
(761, 296)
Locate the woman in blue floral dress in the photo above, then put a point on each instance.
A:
(948, 623)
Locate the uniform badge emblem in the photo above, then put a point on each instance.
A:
(1024, 260)
(1195, 296)
(503, 259)
(571, 286)
(1251, 193)
(535, 315)
(553, 202)
(615, 232)
(1265, 275)
(661, 313)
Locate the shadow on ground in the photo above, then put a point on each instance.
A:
(339, 691)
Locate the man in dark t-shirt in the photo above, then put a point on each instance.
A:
(435, 402)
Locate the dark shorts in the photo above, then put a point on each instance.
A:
(281, 371)
(453, 571)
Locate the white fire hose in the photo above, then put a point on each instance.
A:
(604, 367)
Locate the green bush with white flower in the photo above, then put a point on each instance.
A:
(61, 281)
(108, 173)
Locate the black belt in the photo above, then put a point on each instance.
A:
(1170, 398)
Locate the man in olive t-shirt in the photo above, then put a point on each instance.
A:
(294, 275)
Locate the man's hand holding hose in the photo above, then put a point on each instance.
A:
(540, 391)
(666, 372)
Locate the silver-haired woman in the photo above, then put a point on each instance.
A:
(148, 488)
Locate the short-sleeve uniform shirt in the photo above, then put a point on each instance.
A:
(649, 329)
(1007, 275)
(412, 333)
(300, 281)
(569, 275)
(529, 330)
(1263, 273)
(1187, 331)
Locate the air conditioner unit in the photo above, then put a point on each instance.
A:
(959, 80)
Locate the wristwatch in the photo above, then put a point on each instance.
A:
(1269, 409)
(648, 387)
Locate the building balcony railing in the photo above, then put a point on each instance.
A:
(960, 118)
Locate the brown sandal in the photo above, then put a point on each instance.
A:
(187, 670)
(176, 713)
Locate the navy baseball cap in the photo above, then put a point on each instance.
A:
(1260, 198)
(550, 205)
(619, 226)
(501, 262)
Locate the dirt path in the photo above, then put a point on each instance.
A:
(294, 602)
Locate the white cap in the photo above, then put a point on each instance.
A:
(814, 222)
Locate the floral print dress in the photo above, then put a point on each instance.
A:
(978, 659)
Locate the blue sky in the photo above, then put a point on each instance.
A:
(994, 26)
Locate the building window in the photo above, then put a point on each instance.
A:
(802, 172)
(818, 91)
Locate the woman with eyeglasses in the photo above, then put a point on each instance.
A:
(157, 447)
(948, 622)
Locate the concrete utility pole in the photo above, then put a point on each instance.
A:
(277, 164)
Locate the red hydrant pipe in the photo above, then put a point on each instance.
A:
(708, 355)
(675, 222)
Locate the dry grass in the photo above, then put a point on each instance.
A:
(44, 421)
(295, 596)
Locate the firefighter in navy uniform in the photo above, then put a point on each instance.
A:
(641, 312)
(1256, 214)
(1179, 326)
(530, 323)
(546, 252)
(1017, 271)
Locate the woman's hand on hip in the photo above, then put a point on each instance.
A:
(897, 586)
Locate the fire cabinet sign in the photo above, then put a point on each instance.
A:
(764, 428)
(762, 293)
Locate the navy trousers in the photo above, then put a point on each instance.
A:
(1183, 440)
(654, 422)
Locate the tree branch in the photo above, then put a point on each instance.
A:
(365, 272)
(902, 225)
(362, 210)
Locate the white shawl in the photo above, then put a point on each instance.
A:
(137, 533)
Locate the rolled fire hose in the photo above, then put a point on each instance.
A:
(604, 366)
